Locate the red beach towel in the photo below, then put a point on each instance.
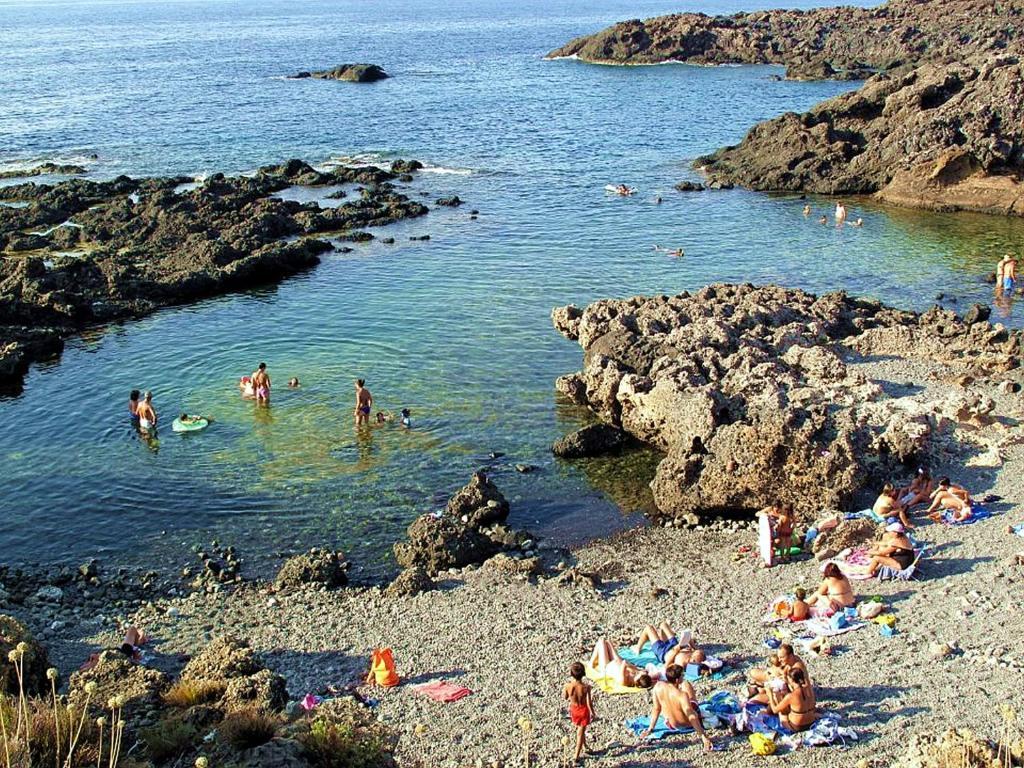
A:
(442, 691)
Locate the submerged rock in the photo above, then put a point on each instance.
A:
(592, 440)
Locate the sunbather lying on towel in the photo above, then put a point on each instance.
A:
(668, 647)
(894, 551)
(794, 702)
(919, 491)
(779, 666)
(676, 701)
(834, 594)
(953, 497)
(888, 505)
(606, 660)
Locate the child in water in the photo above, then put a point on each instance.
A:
(406, 418)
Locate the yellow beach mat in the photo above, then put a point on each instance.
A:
(607, 684)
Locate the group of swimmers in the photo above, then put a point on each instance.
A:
(840, 216)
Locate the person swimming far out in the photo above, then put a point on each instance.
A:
(857, 223)
(406, 419)
(807, 210)
(293, 382)
(823, 219)
(677, 252)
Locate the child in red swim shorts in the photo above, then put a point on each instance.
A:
(581, 706)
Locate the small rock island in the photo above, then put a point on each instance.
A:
(350, 73)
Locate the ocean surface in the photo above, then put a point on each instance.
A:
(457, 328)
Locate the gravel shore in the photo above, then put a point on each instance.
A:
(510, 639)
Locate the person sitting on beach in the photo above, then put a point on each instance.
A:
(777, 668)
(669, 647)
(293, 383)
(146, 413)
(800, 610)
(887, 506)
(606, 660)
(834, 594)
(953, 497)
(783, 521)
(919, 491)
(676, 701)
(581, 706)
(895, 550)
(131, 647)
(133, 407)
(794, 703)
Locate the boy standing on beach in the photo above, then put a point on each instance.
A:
(581, 706)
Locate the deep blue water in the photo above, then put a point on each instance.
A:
(456, 328)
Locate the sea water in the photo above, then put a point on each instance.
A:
(455, 328)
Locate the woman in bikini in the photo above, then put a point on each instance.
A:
(668, 647)
(895, 550)
(955, 498)
(919, 491)
(796, 708)
(887, 506)
(606, 661)
(834, 594)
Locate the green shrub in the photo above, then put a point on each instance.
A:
(169, 739)
(248, 728)
(344, 737)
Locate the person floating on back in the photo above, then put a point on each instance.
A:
(261, 384)
(364, 403)
(581, 706)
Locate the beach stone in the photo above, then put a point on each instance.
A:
(514, 566)
(438, 543)
(452, 201)
(409, 582)
(318, 566)
(406, 166)
(689, 186)
(962, 748)
(50, 594)
(36, 662)
(263, 690)
(225, 658)
(849, 533)
(279, 752)
(592, 440)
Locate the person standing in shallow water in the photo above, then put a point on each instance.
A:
(261, 384)
(840, 214)
(133, 407)
(146, 413)
(364, 403)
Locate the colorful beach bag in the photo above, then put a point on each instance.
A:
(382, 668)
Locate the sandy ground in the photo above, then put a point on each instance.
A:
(511, 641)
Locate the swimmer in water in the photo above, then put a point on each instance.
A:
(671, 252)
(807, 210)
(406, 418)
(293, 383)
(858, 223)
(823, 220)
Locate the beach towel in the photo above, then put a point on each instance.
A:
(442, 691)
(824, 628)
(825, 732)
(979, 512)
(638, 725)
(607, 684)
(1018, 529)
(854, 563)
(642, 659)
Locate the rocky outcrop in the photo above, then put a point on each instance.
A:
(749, 393)
(592, 440)
(946, 136)
(318, 566)
(468, 531)
(44, 169)
(410, 582)
(115, 676)
(953, 747)
(842, 43)
(232, 663)
(349, 73)
(141, 244)
(14, 636)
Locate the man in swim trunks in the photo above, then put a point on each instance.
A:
(676, 700)
(364, 403)
(668, 646)
(133, 407)
(146, 413)
(261, 384)
(1009, 274)
(581, 706)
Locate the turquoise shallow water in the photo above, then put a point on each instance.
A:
(456, 328)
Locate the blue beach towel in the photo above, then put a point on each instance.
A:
(979, 512)
(715, 710)
(642, 659)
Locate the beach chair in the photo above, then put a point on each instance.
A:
(907, 574)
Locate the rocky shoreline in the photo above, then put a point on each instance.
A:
(937, 125)
(82, 252)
